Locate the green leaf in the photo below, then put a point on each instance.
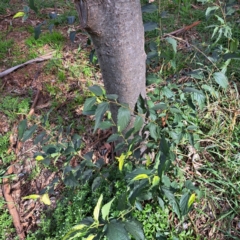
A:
(116, 231)
(19, 14)
(70, 180)
(153, 130)
(101, 109)
(37, 31)
(221, 79)
(149, 8)
(149, 26)
(39, 138)
(164, 146)
(32, 6)
(113, 137)
(135, 229)
(76, 139)
(105, 125)
(160, 106)
(193, 90)
(183, 204)
(112, 96)
(210, 10)
(173, 42)
(189, 185)
(97, 208)
(138, 123)
(21, 128)
(123, 118)
(27, 134)
(98, 91)
(89, 104)
(96, 183)
(231, 56)
(106, 209)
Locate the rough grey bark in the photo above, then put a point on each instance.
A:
(117, 32)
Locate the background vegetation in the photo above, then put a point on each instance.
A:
(186, 183)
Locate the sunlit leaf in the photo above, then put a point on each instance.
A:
(45, 199)
(191, 200)
(140, 176)
(155, 181)
(39, 158)
(97, 208)
(19, 14)
(32, 196)
(106, 209)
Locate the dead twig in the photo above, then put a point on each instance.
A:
(38, 59)
(34, 103)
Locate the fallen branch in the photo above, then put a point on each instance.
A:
(182, 30)
(38, 59)
(11, 205)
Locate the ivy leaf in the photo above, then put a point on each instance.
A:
(135, 229)
(106, 209)
(21, 128)
(123, 118)
(116, 230)
(97, 208)
(221, 79)
(101, 109)
(27, 134)
(98, 91)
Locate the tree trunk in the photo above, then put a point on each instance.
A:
(117, 32)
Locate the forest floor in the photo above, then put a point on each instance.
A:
(51, 93)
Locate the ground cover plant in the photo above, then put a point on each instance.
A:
(178, 178)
